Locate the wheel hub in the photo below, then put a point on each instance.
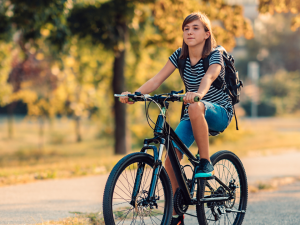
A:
(143, 205)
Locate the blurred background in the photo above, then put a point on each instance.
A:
(61, 61)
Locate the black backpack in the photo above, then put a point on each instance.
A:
(232, 85)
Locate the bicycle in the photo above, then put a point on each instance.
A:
(138, 190)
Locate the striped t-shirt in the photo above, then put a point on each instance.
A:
(192, 77)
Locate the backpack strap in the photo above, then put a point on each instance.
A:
(218, 82)
(181, 65)
(206, 63)
(236, 122)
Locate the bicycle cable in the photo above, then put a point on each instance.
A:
(147, 111)
(167, 115)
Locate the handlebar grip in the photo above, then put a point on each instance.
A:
(129, 100)
(196, 99)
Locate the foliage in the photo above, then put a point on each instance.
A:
(228, 21)
(5, 58)
(282, 90)
(38, 31)
(264, 108)
(282, 6)
(84, 80)
(274, 46)
(34, 18)
(71, 48)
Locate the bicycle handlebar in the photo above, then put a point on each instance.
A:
(158, 98)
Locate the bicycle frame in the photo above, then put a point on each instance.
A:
(165, 139)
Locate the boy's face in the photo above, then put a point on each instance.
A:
(194, 33)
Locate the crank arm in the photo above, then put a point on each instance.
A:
(234, 210)
(216, 199)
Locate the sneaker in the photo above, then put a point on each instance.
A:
(177, 221)
(205, 169)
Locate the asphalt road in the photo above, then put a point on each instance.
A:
(55, 199)
(278, 207)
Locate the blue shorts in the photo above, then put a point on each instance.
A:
(216, 118)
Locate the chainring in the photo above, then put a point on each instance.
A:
(180, 206)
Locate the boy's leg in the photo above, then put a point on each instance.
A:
(171, 173)
(204, 115)
(200, 128)
(185, 133)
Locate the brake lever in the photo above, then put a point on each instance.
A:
(176, 92)
(131, 95)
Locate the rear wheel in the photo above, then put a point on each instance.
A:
(229, 169)
(118, 204)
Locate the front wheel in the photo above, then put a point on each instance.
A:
(121, 206)
(229, 169)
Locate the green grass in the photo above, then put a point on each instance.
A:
(22, 159)
(258, 136)
(79, 219)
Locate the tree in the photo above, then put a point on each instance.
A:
(82, 81)
(283, 6)
(108, 24)
(227, 20)
(26, 20)
(34, 83)
(275, 46)
(117, 24)
(283, 93)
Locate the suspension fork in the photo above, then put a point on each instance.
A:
(157, 168)
(158, 131)
(141, 167)
(137, 182)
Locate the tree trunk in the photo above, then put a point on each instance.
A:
(41, 133)
(77, 128)
(119, 108)
(10, 121)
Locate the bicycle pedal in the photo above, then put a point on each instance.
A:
(206, 178)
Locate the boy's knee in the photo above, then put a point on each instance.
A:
(196, 109)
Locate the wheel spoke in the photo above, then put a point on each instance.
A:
(139, 212)
(226, 169)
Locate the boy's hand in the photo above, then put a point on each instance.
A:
(190, 96)
(125, 99)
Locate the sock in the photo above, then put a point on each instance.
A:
(175, 216)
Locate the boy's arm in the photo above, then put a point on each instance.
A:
(211, 74)
(152, 84)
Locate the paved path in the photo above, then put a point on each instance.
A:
(280, 207)
(54, 199)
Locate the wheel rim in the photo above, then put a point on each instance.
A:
(226, 171)
(141, 212)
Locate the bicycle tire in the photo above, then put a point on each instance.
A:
(113, 210)
(230, 164)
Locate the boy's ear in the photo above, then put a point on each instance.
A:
(207, 34)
